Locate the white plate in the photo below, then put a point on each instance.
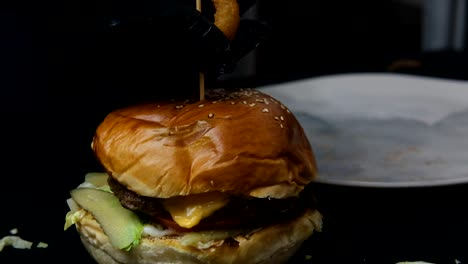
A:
(383, 130)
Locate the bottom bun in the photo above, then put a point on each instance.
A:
(272, 244)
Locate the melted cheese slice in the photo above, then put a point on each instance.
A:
(188, 211)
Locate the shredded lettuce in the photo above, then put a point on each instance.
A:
(15, 241)
(73, 217)
(204, 238)
(135, 242)
(90, 185)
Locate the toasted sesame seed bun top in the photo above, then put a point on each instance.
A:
(240, 142)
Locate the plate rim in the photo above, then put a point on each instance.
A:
(322, 179)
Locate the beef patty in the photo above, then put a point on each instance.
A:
(239, 212)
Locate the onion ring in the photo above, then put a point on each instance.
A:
(227, 17)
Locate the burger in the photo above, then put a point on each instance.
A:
(221, 180)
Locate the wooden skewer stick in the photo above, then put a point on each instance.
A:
(201, 75)
(202, 86)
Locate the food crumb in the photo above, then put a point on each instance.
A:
(14, 241)
(42, 245)
(18, 242)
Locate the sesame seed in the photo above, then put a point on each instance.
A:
(281, 125)
(266, 101)
(179, 106)
(282, 106)
(265, 110)
(210, 115)
(244, 102)
(214, 102)
(233, 102)
(252, 104)
(202, 105)
(212, 183)
(287, 110)
(282, 118)
(276, 118)
(259, 100)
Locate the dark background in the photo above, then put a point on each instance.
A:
(53, 95)
(325, 37)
